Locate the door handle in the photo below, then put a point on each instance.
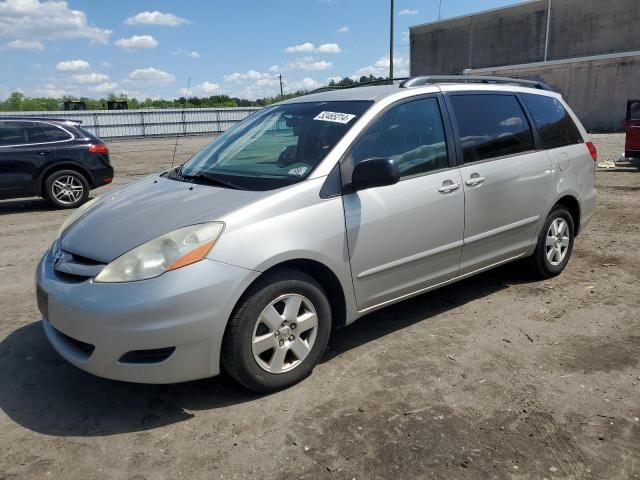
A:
(448, 186)
(475, 180)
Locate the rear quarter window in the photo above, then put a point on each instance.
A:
(45, 133)
(555, 126)
(491, 126)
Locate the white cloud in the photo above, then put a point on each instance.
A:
(329, 48)
(344, 29)
(137, 42)
(302, 48)
(34, 20)
(304, 84)
(309, 47)
(20, 44)
(187, 53)
(151, 75)
(4, 91)
(104, 87)
(381, 68)
(89, 77)
(408, 11)
(156, 18)
(72, 66)
(205, 88)
(250, 75)
(49, 90)
(308, 63)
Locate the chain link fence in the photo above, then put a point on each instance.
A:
(150, 122)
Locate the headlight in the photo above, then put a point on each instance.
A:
(75, 215)
(170, 251)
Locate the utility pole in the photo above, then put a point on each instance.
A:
(391, 42)
(546, 36)
(281, 91)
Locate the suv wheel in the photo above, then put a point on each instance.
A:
(66, 189)
(555, 244)
(278, 333)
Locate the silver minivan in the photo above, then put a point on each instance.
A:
(309, 214)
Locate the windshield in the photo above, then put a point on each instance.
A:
(276, 146)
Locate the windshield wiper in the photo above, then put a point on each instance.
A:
(212, 179)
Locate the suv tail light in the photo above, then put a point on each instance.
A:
(98, 148)
(593, 151)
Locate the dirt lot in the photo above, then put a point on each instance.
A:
(495, 377)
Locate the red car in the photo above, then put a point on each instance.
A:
(632, 127)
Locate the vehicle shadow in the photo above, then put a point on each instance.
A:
(43, 393)
(423, 307)
(21, 205)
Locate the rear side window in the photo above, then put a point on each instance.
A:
(411, 134)
(12, 133)
(45, 133)
(634, 111)
(491, 126)
(554, 124)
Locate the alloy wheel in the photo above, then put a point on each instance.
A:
(284, 333)
(67, 189)
(557, 243)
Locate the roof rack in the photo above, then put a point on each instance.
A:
(384, 81)
(430, 79)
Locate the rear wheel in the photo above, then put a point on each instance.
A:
(278, 333)
(66, 189)
(555, 244)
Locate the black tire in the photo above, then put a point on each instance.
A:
(51, 191)
(539, 263)
(237, 355)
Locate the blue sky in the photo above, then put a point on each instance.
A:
(149, 48)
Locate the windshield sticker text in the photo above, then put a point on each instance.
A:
(299, 171)
(343, 118)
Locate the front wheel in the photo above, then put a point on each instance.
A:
(555, 244)
(66, 189)
(278, 332)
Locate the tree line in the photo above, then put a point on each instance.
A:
(18, 102)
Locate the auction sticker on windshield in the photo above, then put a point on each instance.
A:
(335, 117)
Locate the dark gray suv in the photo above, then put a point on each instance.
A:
(55, 159)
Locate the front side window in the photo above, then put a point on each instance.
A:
(45, 133)
(12, 133)
(491, 126)
(411, 134)
(555, 126)
(276, 146)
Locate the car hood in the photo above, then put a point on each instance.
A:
(141, 211)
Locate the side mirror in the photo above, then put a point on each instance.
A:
(374, 172)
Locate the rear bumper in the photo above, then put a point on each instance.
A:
(185, 311)
(587, 207)
(101, 176)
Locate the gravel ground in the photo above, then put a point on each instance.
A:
(497, 376)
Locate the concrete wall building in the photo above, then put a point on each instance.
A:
(588, 50)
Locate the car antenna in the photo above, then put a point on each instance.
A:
(184, 105)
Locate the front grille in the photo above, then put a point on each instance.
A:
(79, 347)
(155, 355)
(74, 267)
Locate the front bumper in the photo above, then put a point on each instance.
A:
(187, 309)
